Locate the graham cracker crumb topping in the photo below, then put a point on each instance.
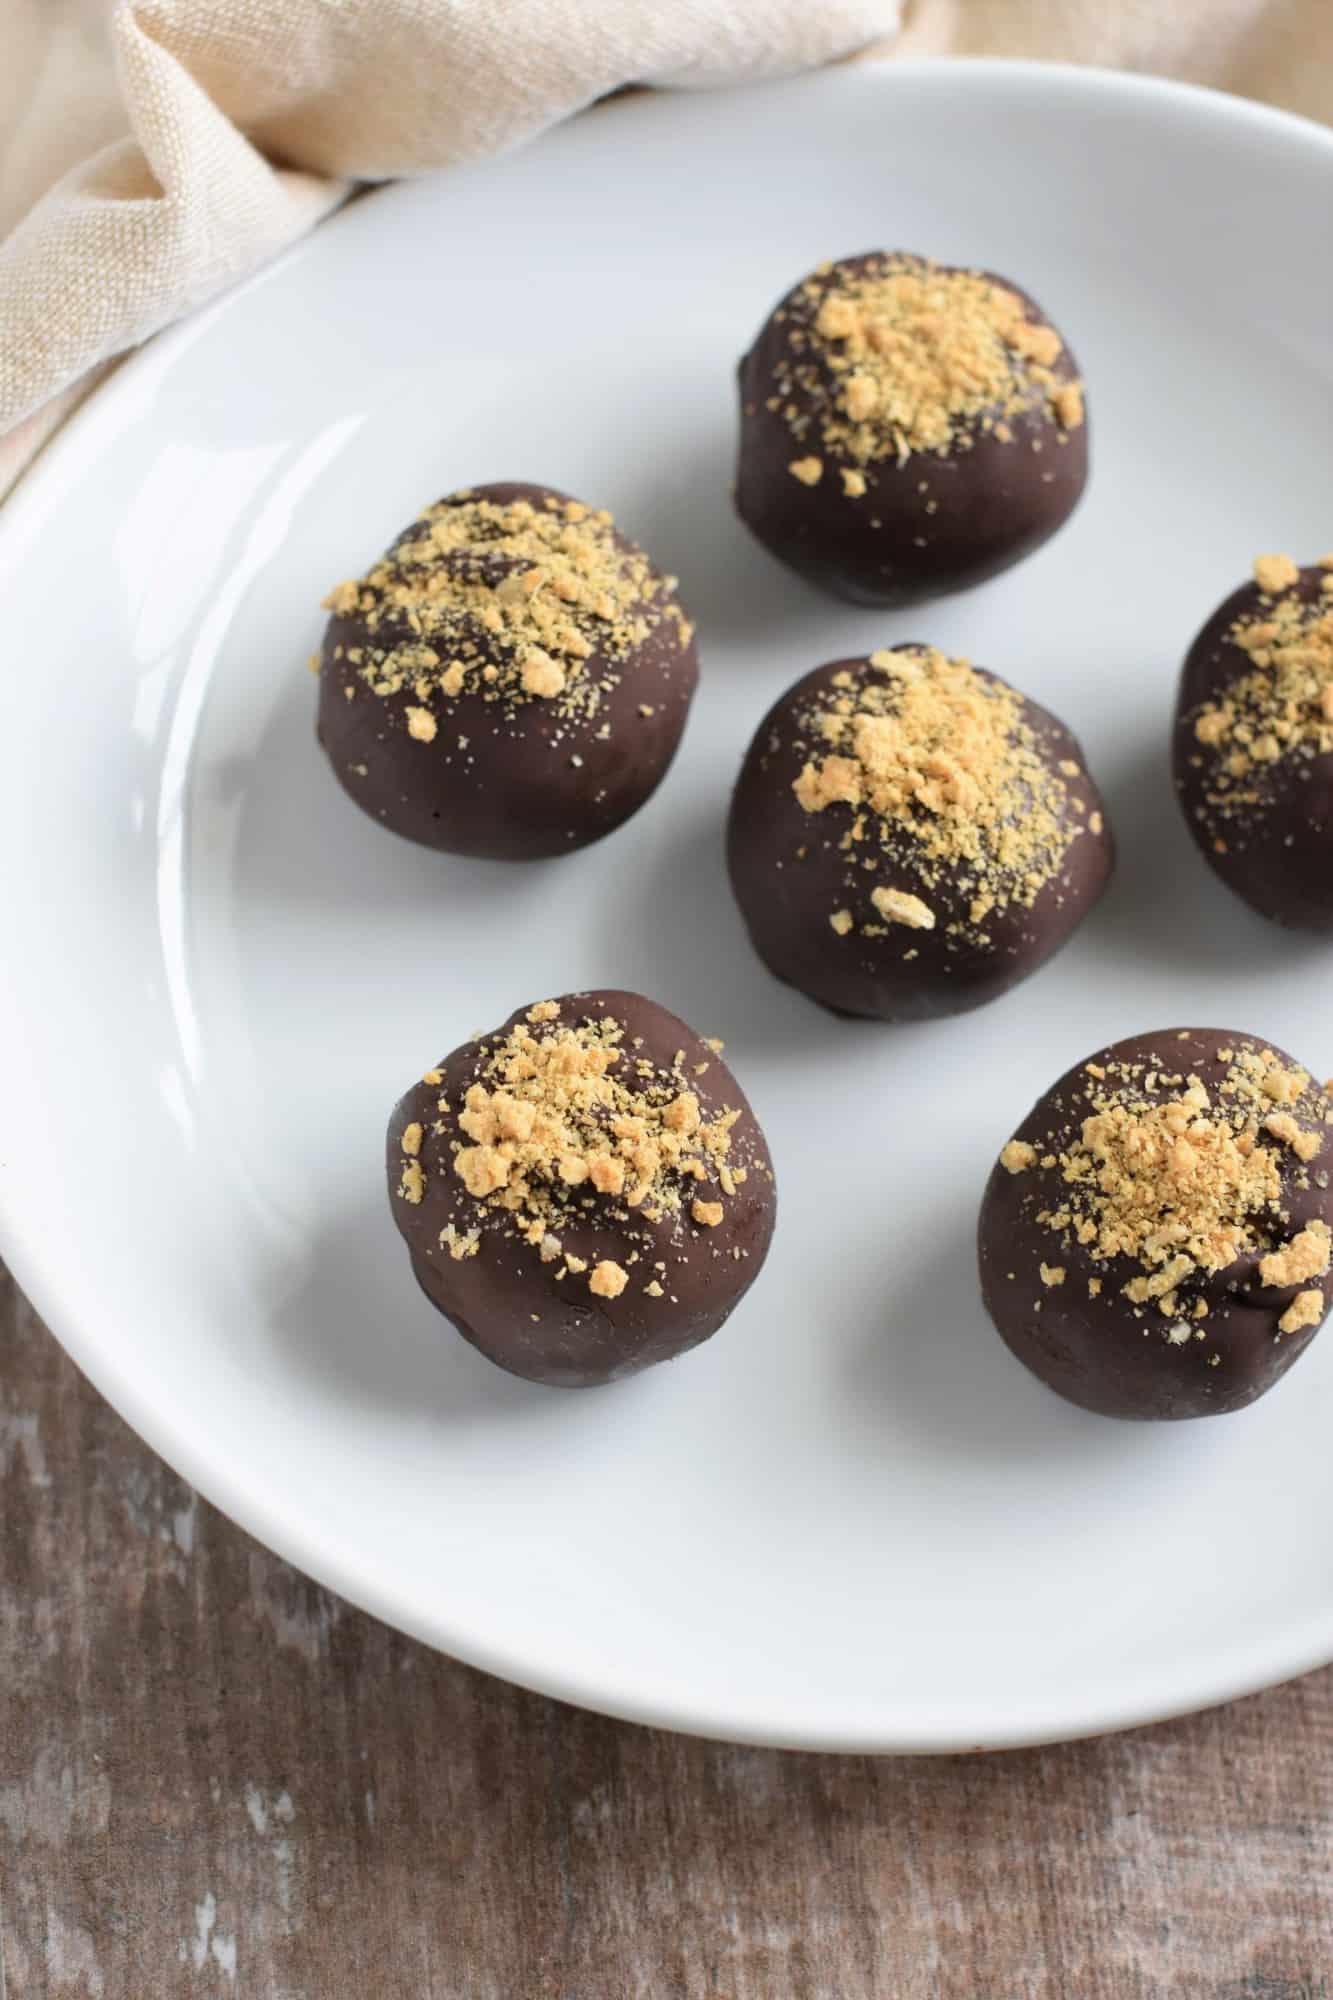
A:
(608, 1280)
(1306, 1256)
(1284, 1127)
(1017, 1156)
(505, 600)
(1274, 574)
(896, 907)
(1280, 711)
(943, 777)
(1067, 402)
(1185, 1183)
(560, 1117)
(1306, 1309)
(901, 355)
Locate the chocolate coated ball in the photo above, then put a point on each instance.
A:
(511, 679)
(907, 429)
(1253, 742)
(584, 1191)
(910, 836)
(1154, 1239)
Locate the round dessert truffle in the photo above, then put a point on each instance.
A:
(584, 1191)
(1253, 750)
(1155, 1238)
(907, 428)
(511, 679)
(910, 836)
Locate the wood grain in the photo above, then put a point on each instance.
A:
(218, 1780)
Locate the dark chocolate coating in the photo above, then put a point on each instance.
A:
(529, 783)
(1104, 1353)
(1278, 854)
(994, 502)
(786, 897)
(553, 1329)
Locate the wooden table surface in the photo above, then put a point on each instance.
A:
(218, 1780)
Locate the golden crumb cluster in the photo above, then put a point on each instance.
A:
(560, 1115)
(1282, 708)
(1183, 1182)
(503, 599)
(903, 356)
(943, 775)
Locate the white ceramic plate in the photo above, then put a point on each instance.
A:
(851, 1519)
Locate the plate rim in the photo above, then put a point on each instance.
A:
(93, 1347)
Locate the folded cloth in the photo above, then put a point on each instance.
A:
(247, 121)
(151, 157)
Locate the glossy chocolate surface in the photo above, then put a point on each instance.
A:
(790, 871)
(1276, 851)
(538, 1318)
(507, 781)
(930, 523)
(1099, 1349)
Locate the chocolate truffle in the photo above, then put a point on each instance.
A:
(1253, 750)
(584, 1191)
(511, 679)
(1154, 1239)
(910, 836)
(907, 428)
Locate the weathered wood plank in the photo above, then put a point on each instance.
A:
(217, 1780)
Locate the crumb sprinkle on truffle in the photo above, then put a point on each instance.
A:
(1183, 1182)
(1279, 711)
(506, 601)
(905, 356)
(565, 1125)
(1306, 1309)
(941, 772)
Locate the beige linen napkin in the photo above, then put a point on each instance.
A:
(153, 152)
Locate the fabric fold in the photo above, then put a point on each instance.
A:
(248, 121)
